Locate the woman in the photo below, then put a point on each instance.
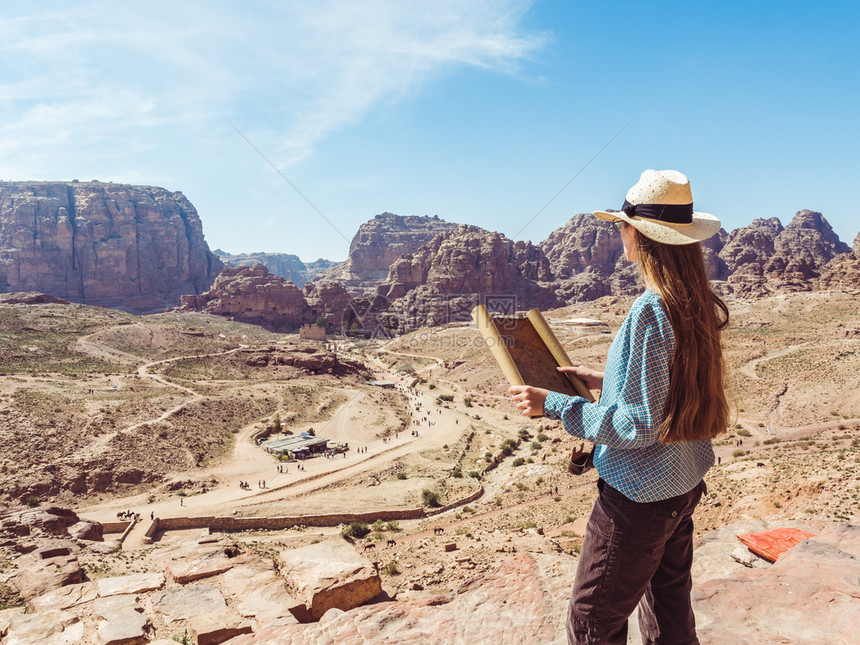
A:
(662, 402)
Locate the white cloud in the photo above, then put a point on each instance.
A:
(106, 78)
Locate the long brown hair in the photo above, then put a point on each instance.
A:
(696, 407)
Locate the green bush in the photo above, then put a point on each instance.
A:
(542, 437)
(467, 401)
(401, 475)
(738, 453)
(430, 498)
(456, 471)
(508, 446)
(32, 501)
(356, 530)
(743, 432)
(391, 569)
(519, 461)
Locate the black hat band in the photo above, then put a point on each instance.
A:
(672, 213)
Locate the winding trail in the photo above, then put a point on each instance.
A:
(749, 369)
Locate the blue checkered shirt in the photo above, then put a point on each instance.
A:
(624, 423)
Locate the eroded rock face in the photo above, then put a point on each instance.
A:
(447, 277)
(842, 273)
(253, 295)
(377, 244)
(804, 246)
(114, 245)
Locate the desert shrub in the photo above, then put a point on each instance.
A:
(474, 473)
(401, 475)
(524, 434)
(356, 530)
(392, 525)
(430, 498)
(508, 446)
(32, 501)
(467, 401)
(542, 437)
(456, 471)
(391, 569)
(519, 461)
(770, 441)
(743, 432)
(738, 453)
(444, 397)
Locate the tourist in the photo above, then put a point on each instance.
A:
(662, 402)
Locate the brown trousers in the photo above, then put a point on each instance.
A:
(633, 554)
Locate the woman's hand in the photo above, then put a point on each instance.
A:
(528, 399)
(592, 378)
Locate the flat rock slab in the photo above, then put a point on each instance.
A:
(181, 603)
(259, 590)
(190, 569)
(329, 574)
(126, 626)
(37, 576)
(808, 596)
(508, 605)
(136, 583)
(218, 627)
(64, 597)
(45, 628)
(107, 607)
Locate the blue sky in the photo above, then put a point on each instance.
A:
(475, 111)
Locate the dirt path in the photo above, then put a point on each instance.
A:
(749, 369)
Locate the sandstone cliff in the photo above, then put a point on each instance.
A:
(842, 273)
(377, 244)
(253, 295)
(289, 267)
(765, 257)
(444, 279)
(130, 247)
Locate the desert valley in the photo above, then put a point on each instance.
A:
(206, 448)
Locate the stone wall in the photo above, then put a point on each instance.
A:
(232, 524)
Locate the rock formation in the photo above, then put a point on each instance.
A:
(130, 247)
(377, 244)
(765, 257)
(842, 273)
(327, 592)
(444, 279)
(253, 295)
(289, 267)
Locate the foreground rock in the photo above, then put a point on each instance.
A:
(329, 575)
(509, 605)
(808, 596)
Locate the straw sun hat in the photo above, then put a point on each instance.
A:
(660, 206)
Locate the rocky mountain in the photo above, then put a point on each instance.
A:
(444, 279)
(842, 273)
(765, 257)
(251, 294)
(114, 245)
(377, 244)
(289, 267)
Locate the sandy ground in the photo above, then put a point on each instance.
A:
(251, 463)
